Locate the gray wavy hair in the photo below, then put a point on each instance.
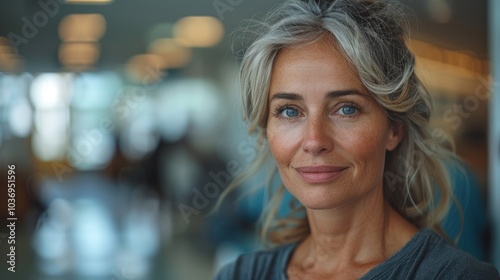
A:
(372, 36)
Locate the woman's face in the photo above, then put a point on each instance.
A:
(326, 132)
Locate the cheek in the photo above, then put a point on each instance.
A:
(278, 146)
(366, 148)
(283, 148)
(283, 141)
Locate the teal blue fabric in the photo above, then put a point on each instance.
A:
(425, 256)
(472, 230)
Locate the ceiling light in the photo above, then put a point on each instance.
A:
(198, 31)
(5, 48)
(174, 55)
(82, 28)
(79, 56)
(11, 62)
(145, 68)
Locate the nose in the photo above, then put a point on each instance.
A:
(317, 138)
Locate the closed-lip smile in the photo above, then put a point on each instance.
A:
(319, 173)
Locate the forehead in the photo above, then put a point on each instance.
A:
(324, 46)
(320, 63)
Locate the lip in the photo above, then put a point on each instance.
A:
(319, 174)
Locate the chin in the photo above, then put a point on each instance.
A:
(318, 199)
(331, 195)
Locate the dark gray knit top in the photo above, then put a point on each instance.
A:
(426, 256)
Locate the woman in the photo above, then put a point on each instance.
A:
(330, 88)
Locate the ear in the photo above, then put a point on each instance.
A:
(394, 135)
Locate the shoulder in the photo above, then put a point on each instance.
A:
(262, 264)
(437, 259)
(443, 261)
(428, 256)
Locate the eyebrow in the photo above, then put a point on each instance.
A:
(330, 95)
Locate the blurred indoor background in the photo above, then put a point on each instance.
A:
(122, 121)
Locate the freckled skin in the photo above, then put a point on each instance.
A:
(322, 133)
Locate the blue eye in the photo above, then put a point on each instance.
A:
(348, 110)
(287, 111)
(290, 112)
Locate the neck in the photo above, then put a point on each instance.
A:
(358, 233)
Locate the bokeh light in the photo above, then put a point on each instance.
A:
(198, 31)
